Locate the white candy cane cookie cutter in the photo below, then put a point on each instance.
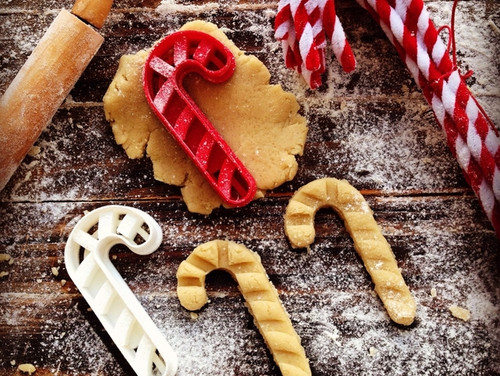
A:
(87, 262)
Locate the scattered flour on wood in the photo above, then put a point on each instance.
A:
(349, 332)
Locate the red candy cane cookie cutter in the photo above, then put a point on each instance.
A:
(170, 60)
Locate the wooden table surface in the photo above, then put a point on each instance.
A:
(371, 127)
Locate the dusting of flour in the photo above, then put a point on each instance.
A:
(348, 331)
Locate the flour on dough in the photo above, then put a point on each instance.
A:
(259, 121)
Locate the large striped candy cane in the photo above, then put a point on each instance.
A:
(304, 28)
(472, 138)
(481, 136)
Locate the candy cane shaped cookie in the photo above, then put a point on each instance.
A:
(260, 295)
(369, 242)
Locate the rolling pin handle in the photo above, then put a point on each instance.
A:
(94, 12)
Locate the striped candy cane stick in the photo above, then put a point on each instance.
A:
(480, 133)
(304, 27)
(335, 31)
(285, 32)
(310, 42)
(473, 139)
(457, 99)
(417, 20)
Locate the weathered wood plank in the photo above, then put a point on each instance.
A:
(78, 159)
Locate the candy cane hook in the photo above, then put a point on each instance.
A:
(369, 242)
(261, 298)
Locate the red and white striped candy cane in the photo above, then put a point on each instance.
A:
(472, 137)
(304, 27)
(481, 135)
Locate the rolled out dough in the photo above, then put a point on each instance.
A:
(259, 121)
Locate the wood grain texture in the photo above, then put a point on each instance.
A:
(371, 127)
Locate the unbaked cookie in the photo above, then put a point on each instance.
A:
(369, 242)
(260, 296)
(259, 121)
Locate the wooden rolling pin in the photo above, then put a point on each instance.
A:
(45, 80)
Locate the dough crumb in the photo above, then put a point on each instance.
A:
(27, 368)
(373, 351)
(5, 257)
(63, 282)
(4, 274)
(194, 315)
(460, 313)
(433, 292)
(493, 26)
(34, 151)
(55, 271)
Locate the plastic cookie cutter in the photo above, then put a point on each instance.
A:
(170, 61)
(87, 261)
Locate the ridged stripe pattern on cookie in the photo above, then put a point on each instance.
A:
(369, 242)
(473, 139)
(261, 298)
